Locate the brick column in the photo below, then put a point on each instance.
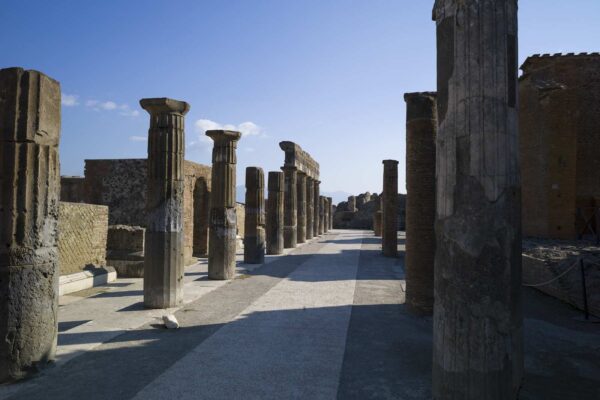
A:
(163, 259)
(29, 193)
(275, 213)
(310, 207)
(223, 217)
(389, 229)
(477, 322)
(301, 202)
(290, 207)
(254, 221)
(421, 127)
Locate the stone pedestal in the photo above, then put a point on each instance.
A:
(29, 194)
(223, 217)
(163, 259)
(290, 207)
(310, 207)
(301, 192)
(389, 228)
(421, 127)
(275, 213)
(377, 221)
(317, 209)
(254, 221)
(477, 322)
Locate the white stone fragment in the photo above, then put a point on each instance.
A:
(170, 321)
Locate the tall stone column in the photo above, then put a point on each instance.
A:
(477, 321)
(163, 259)
(29, 194)
(301, 192)
(421, 127)
(290, 207)
(310, 207)
(321, 215)
(389, 229)
(275, 213)
(317, 209)
(331, 212)
(254, 220)
(326, 211)
(223, 217)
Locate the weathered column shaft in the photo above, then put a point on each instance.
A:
(330, 213)
(326, 211)
(301, 200)
(389, 229)
(223, 217)
(163, 259)
(275, 213)
(421, 127)
(477, 322)
(29, 194)
(290, 207)
(377, 221)
(317, 209)
(321, 215)
(254, 222)
(310, 207)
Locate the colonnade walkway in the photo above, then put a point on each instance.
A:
(324, 321)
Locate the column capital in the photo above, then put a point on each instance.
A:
(164, 105)
(286, 168)
(220, 135)
(390, 162)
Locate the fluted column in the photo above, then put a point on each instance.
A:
(254, 221)
(163, 259)
(317, 208)
(29, 194)
(223, 217)
(477, 322)
(301, 202)
(275, 213)
(290, 207)
(389, 228)
(421, 127)
(310, 207)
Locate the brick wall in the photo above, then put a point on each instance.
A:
(82, 232)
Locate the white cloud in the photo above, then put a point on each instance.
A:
(123, 109)
(247, 128)
(108, 105)
(91, 103)
(138, 138)
(69, 100)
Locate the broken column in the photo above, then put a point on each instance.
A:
(163, 258)
(389, 226)
(310, 207)
(331, 212)
(254, 221)
(29, 193)
(275, 213)
(317, 209)
(301, 202)
(421, 126)
(477, 322)
(290, 207)
(223, 217)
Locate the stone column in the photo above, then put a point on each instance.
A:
(330, 212)
(275, 213)
(317, 208)
(389, 229)
(477, 322)
(254, 221)
(290, 207)
(310, 207)
(163, 259)
(223, 217)
(421, 127)
(326, 212)
(301, 202)
(321, 215)
(29, 194)
(377, 221)
(352, 203)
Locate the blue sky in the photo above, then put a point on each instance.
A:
(327, 74)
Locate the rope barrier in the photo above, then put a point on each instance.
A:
(576, 263)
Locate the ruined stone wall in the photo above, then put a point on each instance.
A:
(72, 189)
(82, 233)
(121, 185)
(367, 204)
(559, 139)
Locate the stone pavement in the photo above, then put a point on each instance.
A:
(323, 321)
